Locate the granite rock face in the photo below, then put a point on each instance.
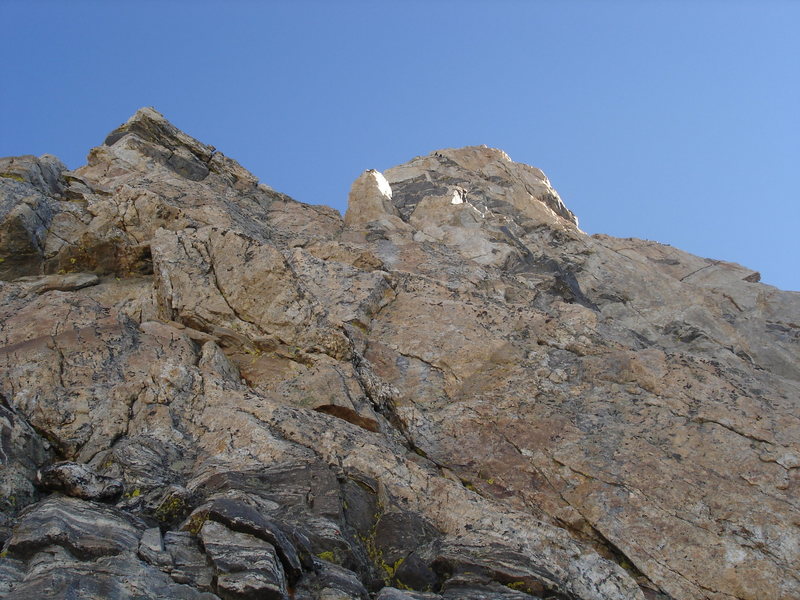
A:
(210, 390)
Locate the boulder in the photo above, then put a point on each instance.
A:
(245, 566)
(75, 479)
(87, 530)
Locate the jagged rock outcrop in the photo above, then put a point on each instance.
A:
(210, 390)
(370, 200)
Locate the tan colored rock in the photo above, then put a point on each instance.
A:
(370, 200)
(513, 408)
(474, 174)
(65, 283)
(241, 291)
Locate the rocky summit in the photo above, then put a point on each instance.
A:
(210, 390)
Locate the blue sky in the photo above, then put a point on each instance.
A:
(676, 121)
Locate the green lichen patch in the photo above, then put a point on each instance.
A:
(195, 523)
(13, 176)
(170, 509)
(527, 585)
(134, 493)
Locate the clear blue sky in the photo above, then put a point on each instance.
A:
(676, 121)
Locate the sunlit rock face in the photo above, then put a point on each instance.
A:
(370, 200)
(213, 391)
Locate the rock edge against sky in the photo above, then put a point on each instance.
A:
(213, 391)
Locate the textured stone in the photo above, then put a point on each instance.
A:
(110, 578)
(246, 566)
(331, 582)
(64, 283)
(179, 555)
(11, 573)
(74, 479)
(239, 516)
(390, 593)
(370, 200)
(452, 389)
(85, 529)
(27, 209)
(22, 452)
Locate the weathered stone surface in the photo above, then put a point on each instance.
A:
(398, 541)
(464, 514)
(151, 547)
(85, 529)
(246, 566)
(179, 555)
(92, 368)
(470, 587)
(453, 389)
(188, 563)
(482, 177)
(390, 593)
(63, 283)
(239, 516)
(109, 578)
(11, 573)
(370, 200)
(22, 452)
(27, 209)
(331, 582)
(74, 479)
(203, 282)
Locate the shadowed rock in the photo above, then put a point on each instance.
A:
(238, 516)
(246, 566)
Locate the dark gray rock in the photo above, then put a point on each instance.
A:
(416, 573)
(390, 593)
(335, 579)
(188, 562)
(308, 512)
(22, 452)
(110, 578)
(145, 463)
(491, 570)
(151, 548)
(332, 540)
(30, 188)
(179, 555)
(329, 581)
(468, 587)
(43, 173)
(88, 530)
(246, 566)
(239, 516)
(25, 216)
(77, 480)
(360, 506)
(11, 572)
(309, 486)
(396, 539)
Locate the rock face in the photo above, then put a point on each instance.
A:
(210, 390)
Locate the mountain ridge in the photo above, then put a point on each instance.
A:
(451, 392)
